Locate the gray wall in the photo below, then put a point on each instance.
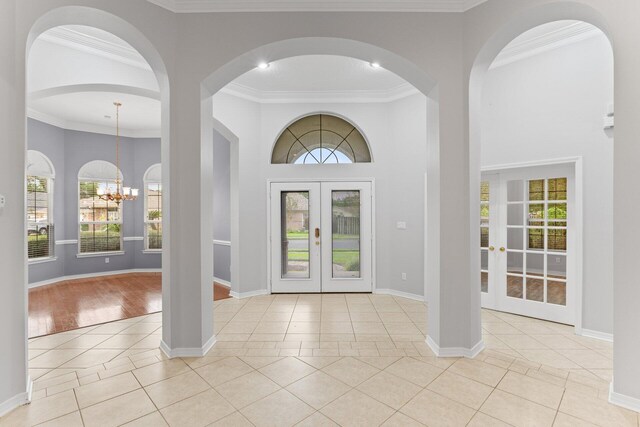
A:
(68, 151)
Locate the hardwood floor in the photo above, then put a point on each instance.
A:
(74, 304)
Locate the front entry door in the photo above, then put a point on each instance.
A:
(321, 237)
(527, 242)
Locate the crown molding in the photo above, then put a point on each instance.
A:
(88, 127)
(572, 33)
(300, 97)
(204, 6)
(68, 37)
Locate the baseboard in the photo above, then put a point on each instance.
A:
(628, 402)
(187, 352)
(469, 353)
(17, 400)
(250, 294)
(399, 294)
(224, 283)
(596, 335)
(89, 275)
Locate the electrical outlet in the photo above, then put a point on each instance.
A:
(401, 225)
(106, 260)
(3, 201)
(558, 259)
(404, 276)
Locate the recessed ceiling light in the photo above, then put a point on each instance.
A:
(375, 65)
(263, 65)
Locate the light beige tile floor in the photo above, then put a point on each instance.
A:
(314, 360)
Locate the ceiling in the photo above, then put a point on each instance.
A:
(199, 6)
(83, 104)
(95, 112)
(320, 77)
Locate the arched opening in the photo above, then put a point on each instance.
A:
(253, 228)
(541, 138)
(71, 117)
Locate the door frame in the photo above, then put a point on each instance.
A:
(321, 180)
(576, 162)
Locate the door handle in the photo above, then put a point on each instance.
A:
(491, 248)
(317, 233)
(502, 249)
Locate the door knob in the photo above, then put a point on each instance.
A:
(502, 249)
(491, 248)
(317, 233)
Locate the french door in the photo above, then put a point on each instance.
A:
(527, 242)
(321, 236)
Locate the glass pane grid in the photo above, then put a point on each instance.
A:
(100, 220)
(40, 239)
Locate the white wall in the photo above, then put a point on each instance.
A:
(396, 132)
(550, 106)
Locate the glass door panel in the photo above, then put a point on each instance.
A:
(294, 234)
(534, 265)
(295, 251)
(345, 233)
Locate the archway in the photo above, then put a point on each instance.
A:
(468, 343)
(110, 23)
(530, 19)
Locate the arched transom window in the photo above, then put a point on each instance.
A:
(319, 139)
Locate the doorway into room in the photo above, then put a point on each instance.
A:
(528, 224)
(321, 236)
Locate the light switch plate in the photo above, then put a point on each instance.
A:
(401, 225)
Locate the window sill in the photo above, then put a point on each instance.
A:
(42, 260)
(152, 251)
(99, 254)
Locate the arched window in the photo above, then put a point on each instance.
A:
(153, 208)
(320, 139)
(40, 228)
(100, 220)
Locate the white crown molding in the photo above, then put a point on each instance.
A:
(68, 37)
(564, 36)
(285, 97)
(88, 127)
(204, 6)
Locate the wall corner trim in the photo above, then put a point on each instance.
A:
(396, 293)
(588, 333)
(172, 353)
(17, 400)
(249, 294)
(618, 399)
(468, 353)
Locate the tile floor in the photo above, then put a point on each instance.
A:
(312, 360)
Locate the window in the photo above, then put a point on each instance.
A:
(40, 229)
(153, 208)
(320, 139)
(100, 221)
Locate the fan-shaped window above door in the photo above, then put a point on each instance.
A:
(320, 139)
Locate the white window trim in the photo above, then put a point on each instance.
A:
(146, 220)
(50, 222)
(81, 254)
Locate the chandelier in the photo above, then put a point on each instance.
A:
(121, 193)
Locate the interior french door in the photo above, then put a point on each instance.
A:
(321, 237)
(527, 247)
